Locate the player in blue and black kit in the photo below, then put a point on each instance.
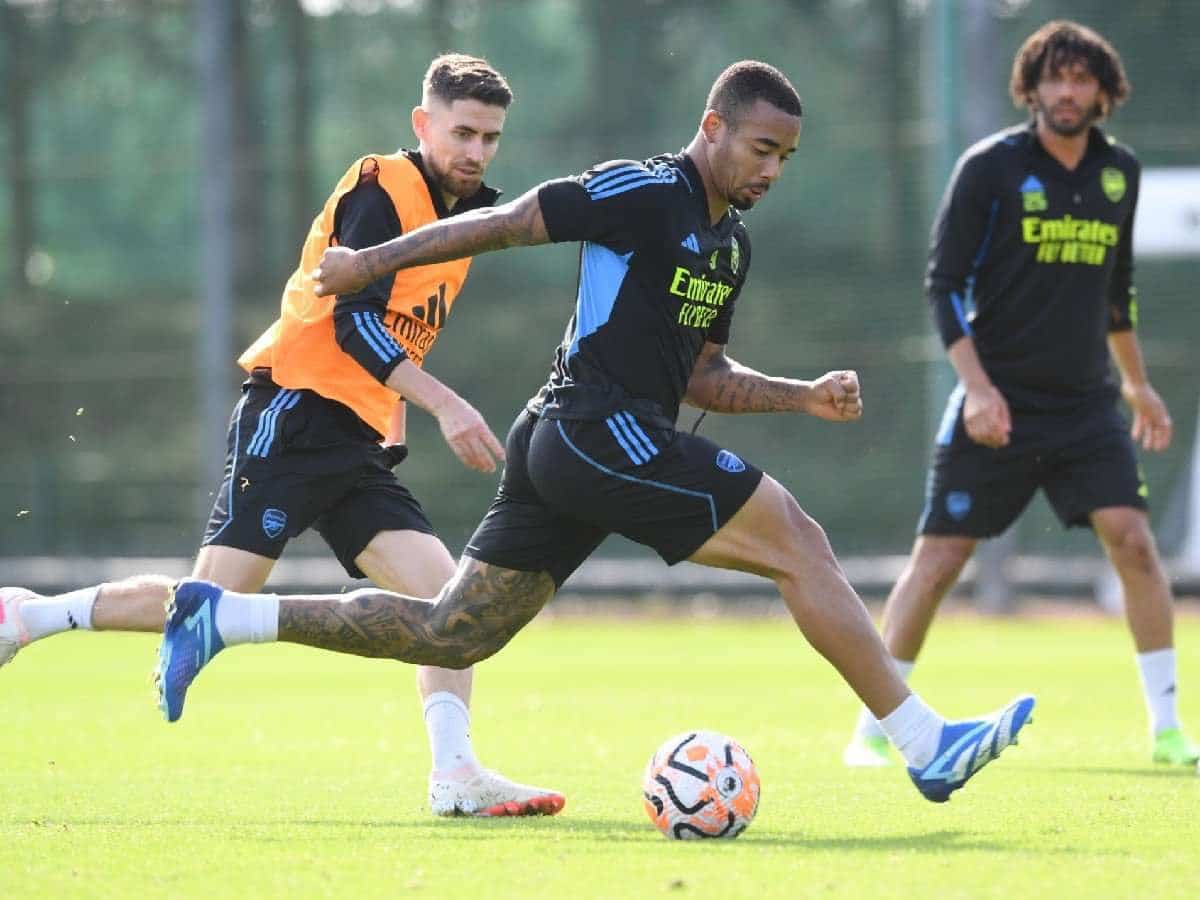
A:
(658, 285)
(1031, 285)
(663, 259)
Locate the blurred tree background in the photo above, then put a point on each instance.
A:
(104, 449)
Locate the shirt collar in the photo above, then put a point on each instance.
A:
(725, 224)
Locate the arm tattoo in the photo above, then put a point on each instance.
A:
(726, 386)
(514, 224)
(476, 614)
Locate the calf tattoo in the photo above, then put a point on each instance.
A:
(477, 612)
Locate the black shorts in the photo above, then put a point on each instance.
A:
(298, 460)
(568, 484)
(1084, 461)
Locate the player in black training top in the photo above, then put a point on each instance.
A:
(657, 280)
(662, 261)
(1030, 281)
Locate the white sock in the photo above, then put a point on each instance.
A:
(248, 618)
(1158, 686)
(868, 726)
(64, 612)
(448, 723)
(914, 730)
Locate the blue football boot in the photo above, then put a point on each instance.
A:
(190, 640)
(966, 747)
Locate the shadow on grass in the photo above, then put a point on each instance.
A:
(633, 832)
(592, 830)
(927, 842)
(1161, 772)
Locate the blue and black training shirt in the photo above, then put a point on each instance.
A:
(657, 280)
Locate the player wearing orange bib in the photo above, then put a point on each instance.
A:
(392, 320)
(321, 424)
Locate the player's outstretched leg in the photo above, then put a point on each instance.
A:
(13, 634)
(966, 747)
(770, 535)
(474, 615)
(190, 640)
(488, 793)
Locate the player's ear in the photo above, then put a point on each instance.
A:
(420, 122)
(711, 125)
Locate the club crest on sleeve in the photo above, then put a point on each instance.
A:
(729, 462)
(274, 521)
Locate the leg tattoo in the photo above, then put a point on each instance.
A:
(477, 612)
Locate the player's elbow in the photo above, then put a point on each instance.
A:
(700, 394)
(520, 223)
(510, 228)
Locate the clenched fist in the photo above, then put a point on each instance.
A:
(342, 271)
(836, 397)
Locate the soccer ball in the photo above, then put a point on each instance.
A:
(700, 784)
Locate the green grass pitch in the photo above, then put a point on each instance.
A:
(297, 773)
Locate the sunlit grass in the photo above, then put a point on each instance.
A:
(298, 773)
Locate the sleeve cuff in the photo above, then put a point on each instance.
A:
(362, 336)
(557, 200)
(951, 316)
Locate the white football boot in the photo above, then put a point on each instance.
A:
(13, 635)
(488, 793)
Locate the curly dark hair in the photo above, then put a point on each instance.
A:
(456, 76)
(1061, 43)
(744, 82)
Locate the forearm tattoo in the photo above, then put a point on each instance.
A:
(469, 234)
(476, 614)
(728, 387)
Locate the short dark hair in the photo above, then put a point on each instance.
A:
(456, 76)
(738, 87)
(1061, 43)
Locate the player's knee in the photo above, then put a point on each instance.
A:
(808, 531)
(942, 559)
(481, 648)
(459, 638)
(460, 645)
(479, 611)
(805, 541)
(1132, 545)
